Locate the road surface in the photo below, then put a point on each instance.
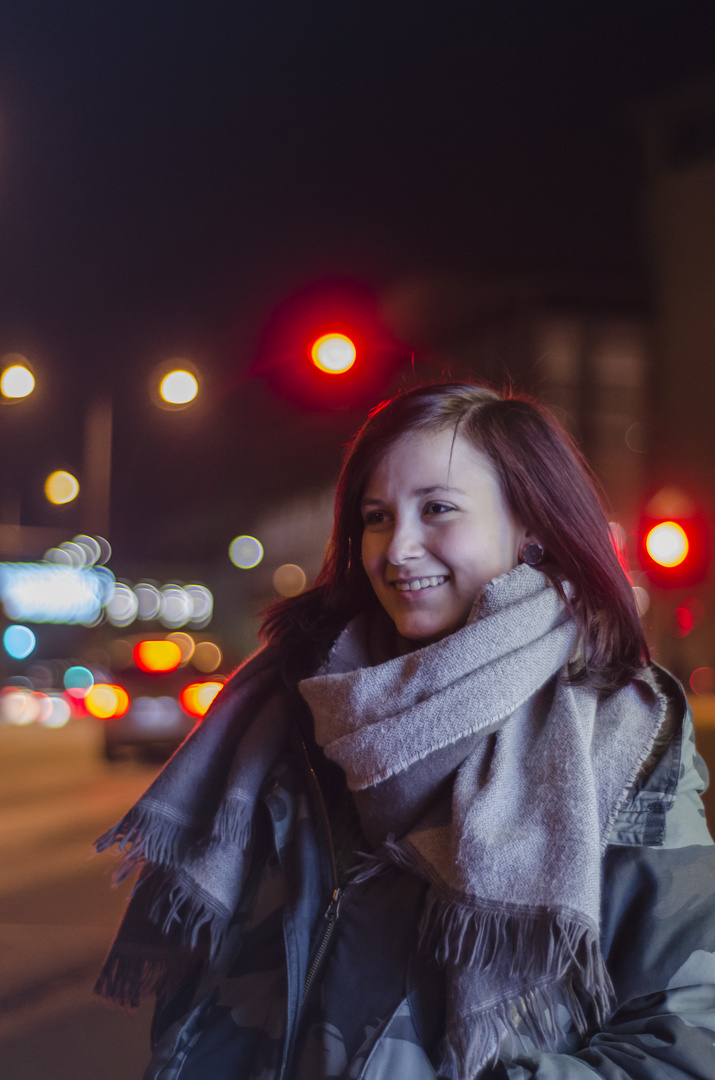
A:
(57, 910)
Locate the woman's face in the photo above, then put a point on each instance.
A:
(436, 530)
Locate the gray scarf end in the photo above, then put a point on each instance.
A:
(475, 1042)
(187, 929)
(548, 958)
(517, 942)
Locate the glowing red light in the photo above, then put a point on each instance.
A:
(667, 543)
(685, 620)
(333, 353)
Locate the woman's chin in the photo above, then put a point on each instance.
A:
(417, 635)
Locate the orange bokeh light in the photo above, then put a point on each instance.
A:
(106, 701)
(157, 656)
(196, 698)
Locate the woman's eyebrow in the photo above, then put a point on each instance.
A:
(419, 492)
(438, 487)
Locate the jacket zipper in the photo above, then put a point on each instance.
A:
(331, 913)
(330, 917)
(333, 909)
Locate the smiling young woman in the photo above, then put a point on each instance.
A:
(422, 833)
(437, 529)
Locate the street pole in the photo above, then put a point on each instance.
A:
(97, 470)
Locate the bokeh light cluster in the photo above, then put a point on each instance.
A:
(20, 706)
(80, 551)
(165, 654)
(171, 605)
(54, 593)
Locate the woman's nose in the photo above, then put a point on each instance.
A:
(405, 543)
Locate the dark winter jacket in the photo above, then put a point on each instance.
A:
(322, 978)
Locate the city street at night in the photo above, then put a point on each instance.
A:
(357, 370)
(57, 911)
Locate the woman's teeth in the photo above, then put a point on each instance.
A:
(419, 583)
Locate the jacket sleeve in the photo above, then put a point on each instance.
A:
(658, 937)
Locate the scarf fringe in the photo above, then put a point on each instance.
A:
(191, 914)
(233, 824)
(146, 836)
(475, 1040)
(179, 916)
(537, 945)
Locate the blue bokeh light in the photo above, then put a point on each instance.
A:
(19, 641)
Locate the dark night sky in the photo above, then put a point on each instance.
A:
(170, 173)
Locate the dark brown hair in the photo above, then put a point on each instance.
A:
(548, 489)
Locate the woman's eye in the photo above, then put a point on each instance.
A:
(374, 517)
(437, 508)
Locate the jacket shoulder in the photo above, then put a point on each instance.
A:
(665, 807)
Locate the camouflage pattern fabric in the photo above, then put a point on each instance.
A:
(375, 1009)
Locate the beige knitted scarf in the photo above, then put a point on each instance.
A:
(476, 765)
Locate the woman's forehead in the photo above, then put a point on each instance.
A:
(424, 460)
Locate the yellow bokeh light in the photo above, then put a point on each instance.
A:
(61, 487)
(185, 643)
(333, 353)
(16, 381)
(179, 387)
(207, 656)
(289, 579)
(667, 544)
(105, 700)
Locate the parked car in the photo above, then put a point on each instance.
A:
(148, 708)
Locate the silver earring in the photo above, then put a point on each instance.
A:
(532, 554)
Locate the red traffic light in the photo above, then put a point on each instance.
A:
(667, 543)
(327, 347)
(334, 353)
(674, 544)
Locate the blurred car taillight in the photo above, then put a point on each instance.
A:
(196, 698)
(157, 655)
(106, 701)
